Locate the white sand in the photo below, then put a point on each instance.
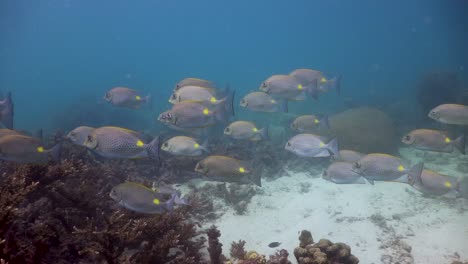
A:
(435, 228)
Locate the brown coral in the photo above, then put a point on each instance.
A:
(322, 252)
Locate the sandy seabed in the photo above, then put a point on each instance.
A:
(384, 223)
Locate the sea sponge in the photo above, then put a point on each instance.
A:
(367, 130)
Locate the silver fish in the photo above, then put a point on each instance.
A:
(310, 145)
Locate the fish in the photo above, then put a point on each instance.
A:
(194, 114)
(434, 140)
(347, 155)
(309, 123)
(283, 87)
(7, 132)
(194, 82)
(341, 172)
(274, 244)
(431, 182)
(184, 146)
(246, 130)
(139, 198)
(385, 167)
(227, 169)
(26, 149)
(7, 112)
(311, 145)
(314, 82)
(79, 135)
(121, 143)
(452, 114)
(263, 102)
(193, 93)
(127, 98)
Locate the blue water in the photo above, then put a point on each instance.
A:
(58, 53)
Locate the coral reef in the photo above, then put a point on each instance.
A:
(237, 249)
(280, 257)
(323, 252)
(215, 248)
(366, 130)
(62, 213)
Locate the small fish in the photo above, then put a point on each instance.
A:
(431, 182)
(79, 135)
(434, 140)
(126, 97)
(342, 173)
(194, 93)
(194, 82)
(184, 146)
(6, 112)
(193, 114)
(315, 82)
(263, 102)
(310, 145)
(121, 143)
(246, 130)
(309, 123)
(274, 244)
(283, 87)
(453, 114)
(141, 199)
(227, 169)
(26, 149)
(384, 167)
(347, 155)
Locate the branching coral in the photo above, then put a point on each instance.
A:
(237, 249)
(280, 257)
(323, 252)
(62, 213)
(214, 246)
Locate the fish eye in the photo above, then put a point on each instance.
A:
(227, 129)
(108, 95)
(169, 115)
(288, 144)
(165, 145)
(357, 165)
(264, 84)
(407, 137)
(174, 96)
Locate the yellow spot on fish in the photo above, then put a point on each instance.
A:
(156, 201)
(323, 80)
(316, 121)
(213, 100)
(299, 86)
(140, 143)
(138, 98)
(401, 168)
(206, 111)
(241, 170)
(447, 184)
(321, 144)
(40, 149)
(196, 145)
(273, 101)
(447, 140)
(254, 129)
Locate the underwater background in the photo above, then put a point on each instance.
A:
(397, 60)
(55, 54)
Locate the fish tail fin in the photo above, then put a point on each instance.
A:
(414, 174)
(324, 122)
(332, 147)
(56, 152)
(149, 101)
(369, 180)
(257, 179)
(152, 148)
(312, 89)
(264, 133)
(284, 106)
(205, 146)
(170, 204)
(459, 144)
(336, 84)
